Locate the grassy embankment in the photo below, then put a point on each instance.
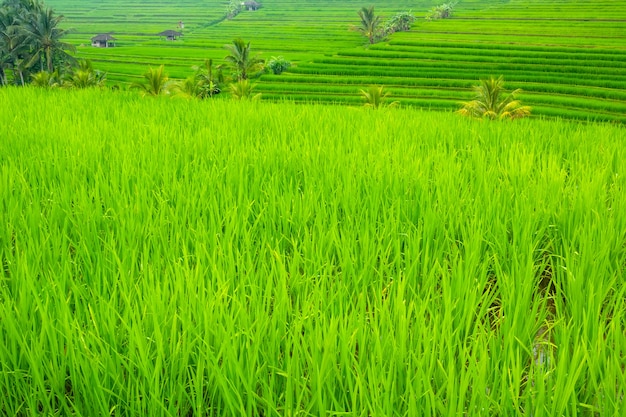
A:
(568, 56)
(171, 258)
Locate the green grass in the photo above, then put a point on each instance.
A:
(172, 258)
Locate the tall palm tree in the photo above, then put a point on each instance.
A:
(44, 35)
(156, 82)
(5, 58)
(14, 51)
(240, 59)
(370, 24)
(490, 102)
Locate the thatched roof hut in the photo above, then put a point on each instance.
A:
(170, 35)
(103, 40)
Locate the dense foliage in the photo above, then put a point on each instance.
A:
(31, 40)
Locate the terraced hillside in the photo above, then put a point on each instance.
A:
(568, 56)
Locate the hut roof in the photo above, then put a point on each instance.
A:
(170, 33)
(102, 37)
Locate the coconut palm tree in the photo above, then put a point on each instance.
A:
(44, 37)
(156, 82)
(376, 97)
(5, 58)
(240, 59)
(370, 25)
(490, 102)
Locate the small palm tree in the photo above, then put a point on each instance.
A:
(45, 79)
(376, 97)
(156, 82)
(85, 76)
(240, 59)
(370, 25)
(243, 90)
(490, 103)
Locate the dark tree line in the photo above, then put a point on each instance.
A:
(31, 40)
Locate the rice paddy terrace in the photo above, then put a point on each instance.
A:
(568, 56)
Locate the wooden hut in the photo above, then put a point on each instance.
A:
(103, 40)
(170, 35)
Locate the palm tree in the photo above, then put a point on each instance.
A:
(489, 102)
(44, 37)
(85, 76)
(5, 58)
(370, 24)
(375, 97)
(157, 82)
(13, 47)
(45, 79)
(240, 59)
(242, 90)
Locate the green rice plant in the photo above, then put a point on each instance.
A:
(417, 263)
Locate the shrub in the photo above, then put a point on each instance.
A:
(277, 65)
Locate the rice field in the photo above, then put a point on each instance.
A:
(568, 56)
(182, 258)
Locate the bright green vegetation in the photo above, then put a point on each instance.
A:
(217, 258)
(569, 57)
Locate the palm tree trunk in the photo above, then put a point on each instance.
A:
(49, 59)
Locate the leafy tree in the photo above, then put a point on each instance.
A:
(233, 8)
(208, 82)
(490, 102)
(370, 25)
(443, 11)
(277, 65)
(44, 37)
(243, 90)
(400, 22)
(376, 97)
(156, 82)
(240, 60)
